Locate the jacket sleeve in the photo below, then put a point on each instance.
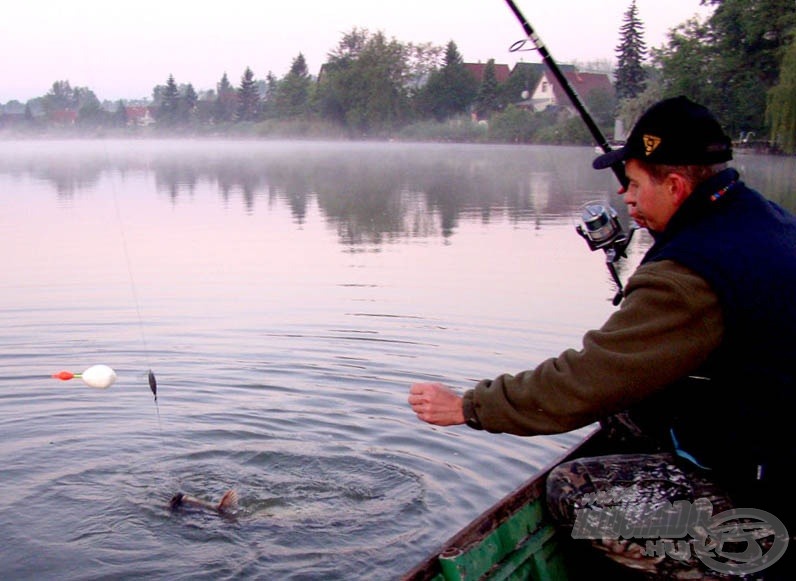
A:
(667, 326)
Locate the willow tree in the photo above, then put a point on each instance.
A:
(781, 110)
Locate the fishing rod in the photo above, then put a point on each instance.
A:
(601, 228)
(618, 168)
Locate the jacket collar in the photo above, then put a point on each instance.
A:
(701, 201)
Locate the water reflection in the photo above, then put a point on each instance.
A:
(369, 193)
(773, 176)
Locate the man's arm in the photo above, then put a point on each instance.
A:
(666, 328)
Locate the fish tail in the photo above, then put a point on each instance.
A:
(229, 501)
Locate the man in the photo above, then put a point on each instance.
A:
(692, 376)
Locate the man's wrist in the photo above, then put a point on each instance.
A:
(468, 409)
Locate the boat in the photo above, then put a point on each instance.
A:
(516, 539)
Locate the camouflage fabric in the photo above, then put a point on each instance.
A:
(638, 486)
(624, 505)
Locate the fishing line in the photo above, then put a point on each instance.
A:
(151, 379)
(90, 56)
(134, 290)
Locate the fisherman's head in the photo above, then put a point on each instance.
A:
(675, 145)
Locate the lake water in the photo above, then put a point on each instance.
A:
(285, 295)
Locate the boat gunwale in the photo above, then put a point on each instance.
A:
(496, 515)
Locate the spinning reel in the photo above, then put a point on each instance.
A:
(601, 229)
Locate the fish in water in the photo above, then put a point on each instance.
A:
(226, 505)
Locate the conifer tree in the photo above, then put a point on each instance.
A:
(487, 99)
(293, 91)
(188, 102)
(631, 52)
(271, 94)
(451, 89)
(169, 103)
(226, 101)
(120, 116)
(248, 99)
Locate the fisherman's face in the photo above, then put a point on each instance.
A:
(650, 203)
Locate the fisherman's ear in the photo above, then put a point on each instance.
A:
(679, 187)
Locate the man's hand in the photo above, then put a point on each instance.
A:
(436, 404)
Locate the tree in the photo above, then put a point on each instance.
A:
(119, 118)
(487, 99)
(60, 96)
(602, 104)
(248, 99)
(90, 112)
(729, 62)
(781, 109)
(631, 52)
(514, 125)
(750, 37)
(334, 89)
(226, 101)
(450, 90)
(293, 91)
(187, 104)
(685, 62)
(365, 83)
(630, 110)
(420, 60)
(169, 103)
(754, 33)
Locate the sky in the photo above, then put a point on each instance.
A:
(121, 50)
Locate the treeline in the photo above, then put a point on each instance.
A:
(740, 62)
(371, 86)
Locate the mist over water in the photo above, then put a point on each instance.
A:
(285, 295)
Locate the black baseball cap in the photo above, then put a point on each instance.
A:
(674, 131)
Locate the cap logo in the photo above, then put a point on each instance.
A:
(651, 143)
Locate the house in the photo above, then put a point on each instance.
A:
(138, 116)
(526, 76)
(63, 117)
(550, 93)
(502, 72)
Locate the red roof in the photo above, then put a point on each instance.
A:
(502, 72)
(63, 116)
(136, 112)
(583, 83)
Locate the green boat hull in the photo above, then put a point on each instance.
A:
(513, 540)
